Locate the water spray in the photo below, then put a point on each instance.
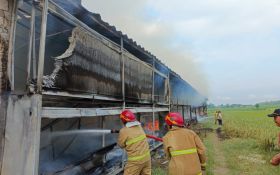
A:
(84, 131)
(95, 131)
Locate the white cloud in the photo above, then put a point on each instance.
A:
(218, 18)
(271, 97)
(223, 99)
(252, 96)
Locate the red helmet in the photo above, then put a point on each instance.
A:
(127, 116)
(174, 118)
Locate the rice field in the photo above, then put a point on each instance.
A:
(251, 123)
(249, 144)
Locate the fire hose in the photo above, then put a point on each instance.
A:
(96, 131)
(147, 135)
(154, 137)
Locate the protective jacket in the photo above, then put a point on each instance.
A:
(215, 117)
(185, 151)
(219, 116)
(133, 139)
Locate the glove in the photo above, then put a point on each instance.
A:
(115, 131)
(275, 160)
(203, 166)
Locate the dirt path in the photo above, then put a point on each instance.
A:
(220, 161)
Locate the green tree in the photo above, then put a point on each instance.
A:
(257, 106)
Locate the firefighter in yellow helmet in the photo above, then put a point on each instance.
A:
(183, 148)
(133, 139)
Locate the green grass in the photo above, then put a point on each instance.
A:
(244, 156)
(158, 171)
(251, 123)
(210, 156)
(252, 143)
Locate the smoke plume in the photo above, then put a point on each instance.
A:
(155, 34)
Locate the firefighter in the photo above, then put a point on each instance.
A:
(183, 148)
(216, 117)
(220, 118)
(132, 138)
(276, 115)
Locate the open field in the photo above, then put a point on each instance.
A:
(159, 171)
(247, 143)
(250, 123)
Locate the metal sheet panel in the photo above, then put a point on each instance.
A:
(111, 122)
(58, 152)
(88, 65)
(138, 79)
(161, 67)
(187, 115)
(160, 91)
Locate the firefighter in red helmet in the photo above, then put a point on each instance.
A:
(183, 148)
(132, 138)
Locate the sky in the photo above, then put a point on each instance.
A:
(228, 49)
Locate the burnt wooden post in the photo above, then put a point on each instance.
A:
(20, 112)
(6, 15)
(123, 90)
(153, 99)
(169, 92)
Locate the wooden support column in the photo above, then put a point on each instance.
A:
(31, 49)
(123, 91)
(7, 20)
(22, 135)
(22, 113)
(123, 72)
(42, 46)
(153, 98)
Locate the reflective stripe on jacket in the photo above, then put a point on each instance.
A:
(133, 140)
(135, 158)
(136, 139)
(185, 151)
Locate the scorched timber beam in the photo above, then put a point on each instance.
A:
(53, 112)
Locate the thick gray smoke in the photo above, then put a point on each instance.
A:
(155, 34)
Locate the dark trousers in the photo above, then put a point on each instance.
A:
(220, 121)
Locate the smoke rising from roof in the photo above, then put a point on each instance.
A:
(155, 34)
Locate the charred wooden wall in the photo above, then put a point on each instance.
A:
(5, 22)
(93, 66)
(6, 8)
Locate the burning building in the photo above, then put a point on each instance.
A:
(64, 69)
